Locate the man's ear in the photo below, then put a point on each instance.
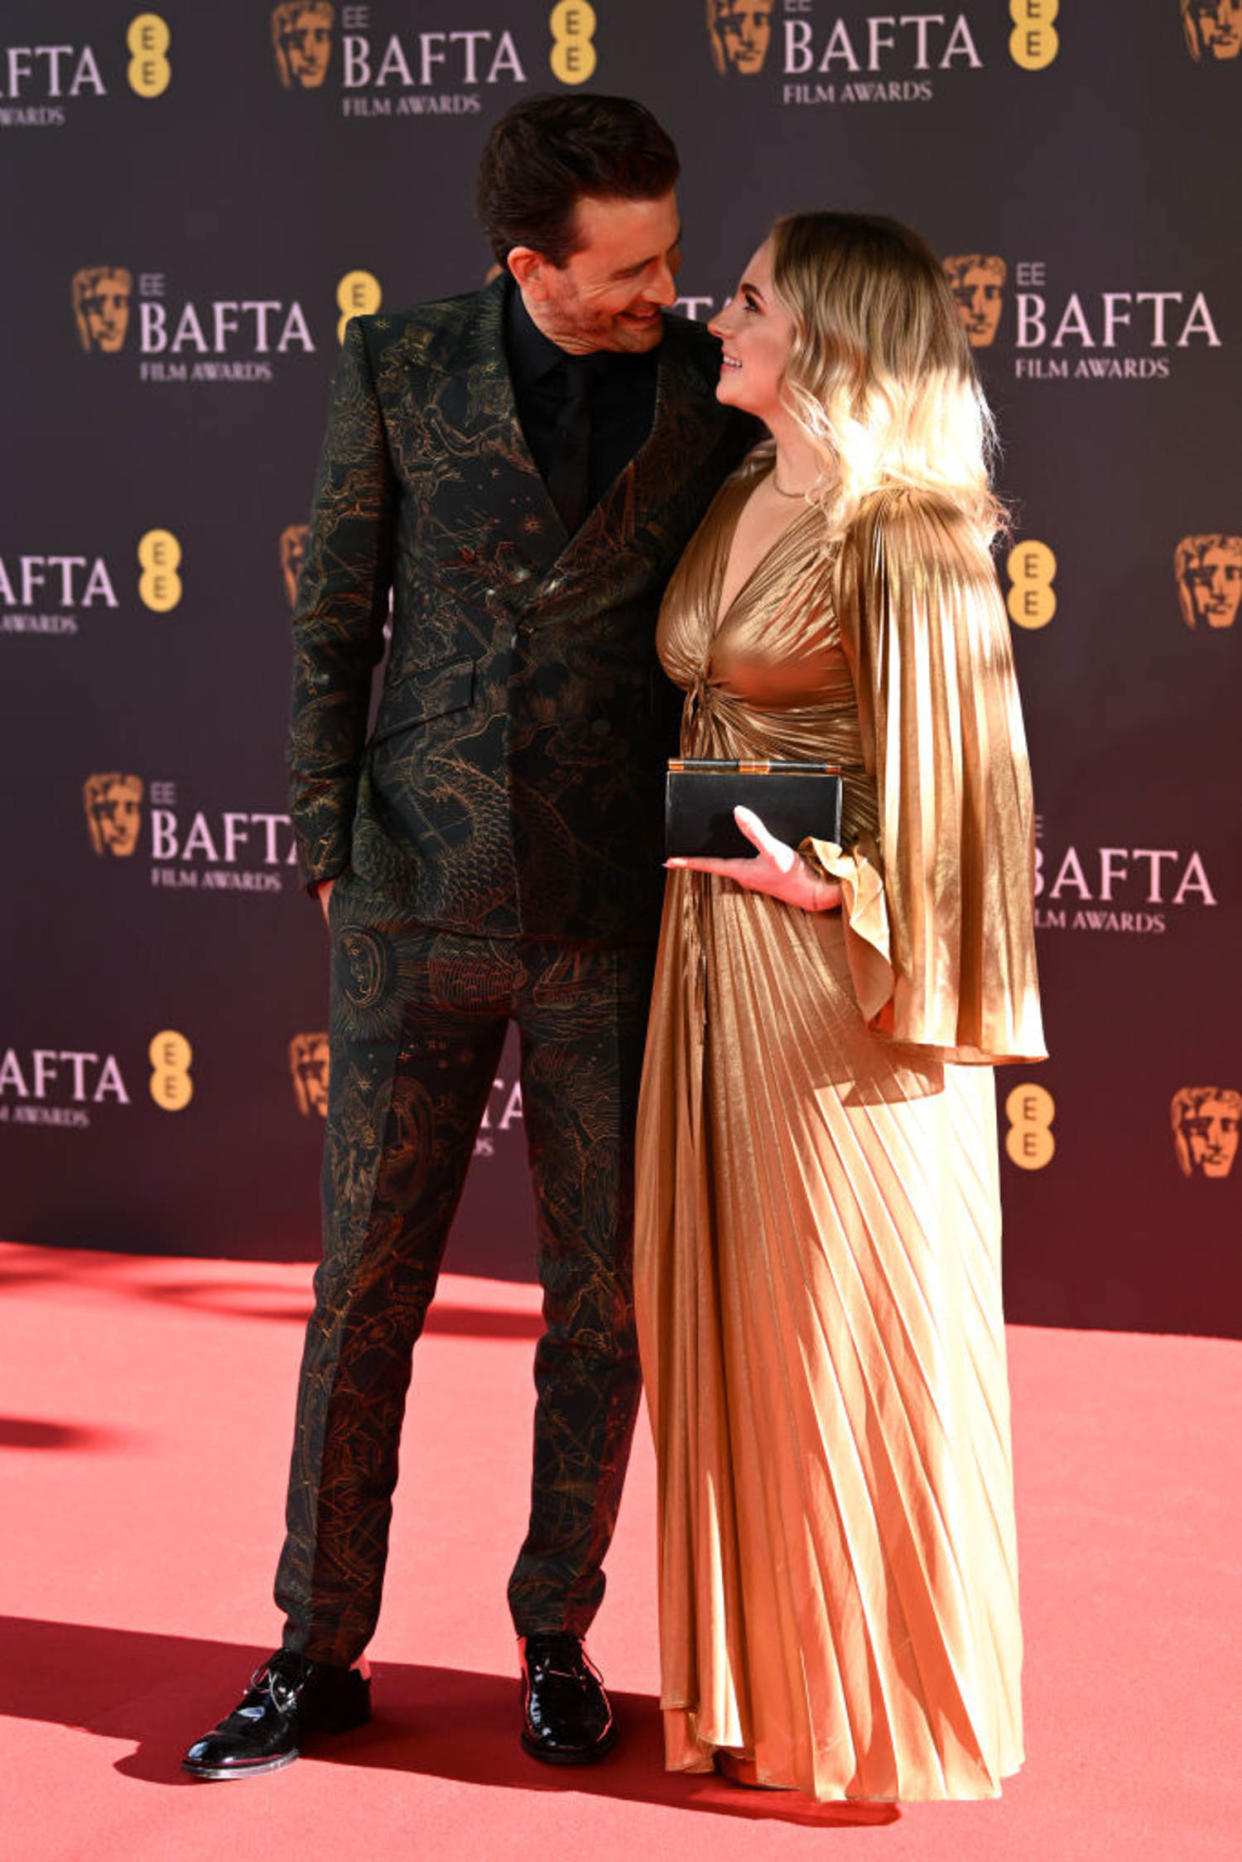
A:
(528, 268)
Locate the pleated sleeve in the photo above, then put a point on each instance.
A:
(940, 914)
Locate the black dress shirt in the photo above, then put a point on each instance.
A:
(620, 395)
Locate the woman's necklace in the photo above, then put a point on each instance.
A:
(780, 489)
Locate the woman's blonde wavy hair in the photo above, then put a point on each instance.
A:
(880, 377)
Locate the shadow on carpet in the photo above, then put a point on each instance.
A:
(163, 1691)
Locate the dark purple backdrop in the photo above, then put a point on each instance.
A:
(182, 204)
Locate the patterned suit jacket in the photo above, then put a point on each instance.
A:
(512, 782)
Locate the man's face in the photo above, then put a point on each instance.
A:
(611, 291)
(308, 1063)
(113, 813)
(1211, 578)
(102, 299)
(978, 284)
(1210, 1131)
(1213, 27)
(743, 32)
(304, 40)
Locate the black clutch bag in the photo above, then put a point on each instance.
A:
(792, 800)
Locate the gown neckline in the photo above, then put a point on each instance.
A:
(719, 614)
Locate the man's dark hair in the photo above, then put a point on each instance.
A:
(545, 153)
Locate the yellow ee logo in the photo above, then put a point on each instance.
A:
(359, 294)
(1031, 568)
(170, 1055)
(148, 39)
(159, 557)
(572, 24)
(1029, 1142)
(1034, 42)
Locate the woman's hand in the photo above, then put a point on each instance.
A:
(777, 869)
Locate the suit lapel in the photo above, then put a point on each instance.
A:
(687, 417)
(470, 414)
(478, 416)
(686, 422)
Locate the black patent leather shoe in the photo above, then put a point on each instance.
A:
(288, 1698)
(567, 1718)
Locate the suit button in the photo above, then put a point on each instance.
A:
(521, 574)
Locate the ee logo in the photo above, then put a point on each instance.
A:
(159, 557)
(148, 39)
(1031, 568)
(1034, 41)
(170, 1055)
(358, 295)
(1029, 1142)
(572, 24)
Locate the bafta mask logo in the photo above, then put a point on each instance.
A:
(292, 556)
(1209, 579)
(739, 33)
(1205, 1129)
(302, 42)
(977, 281)
(1213, 29)
(308, 1065)
(101, 295)
(113, 805)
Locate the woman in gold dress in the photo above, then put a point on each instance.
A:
(818, 1226)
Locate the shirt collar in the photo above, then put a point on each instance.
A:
(532, 355)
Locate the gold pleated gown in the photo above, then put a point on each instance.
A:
(818, 1219)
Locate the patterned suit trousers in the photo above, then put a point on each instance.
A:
(418, 1020)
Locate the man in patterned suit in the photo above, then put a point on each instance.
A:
(521, 469)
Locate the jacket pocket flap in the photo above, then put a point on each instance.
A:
(423, 695)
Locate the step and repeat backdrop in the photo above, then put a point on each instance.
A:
(196, 198)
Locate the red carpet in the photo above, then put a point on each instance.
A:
(145, 1408)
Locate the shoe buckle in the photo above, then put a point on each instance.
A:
(282, 1691)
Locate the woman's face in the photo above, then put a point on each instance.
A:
(757, 333)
